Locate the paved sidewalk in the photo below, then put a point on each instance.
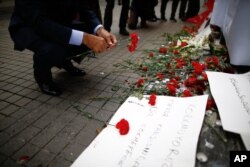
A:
(49, 130)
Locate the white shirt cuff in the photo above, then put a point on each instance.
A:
(76, 37)
(97, 27)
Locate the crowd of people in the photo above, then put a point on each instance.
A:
(144, 10)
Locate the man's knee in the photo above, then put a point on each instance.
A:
(48, 53)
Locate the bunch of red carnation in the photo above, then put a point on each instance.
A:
(133, 42)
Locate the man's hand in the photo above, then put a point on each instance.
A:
(95, 43)
(109, 38)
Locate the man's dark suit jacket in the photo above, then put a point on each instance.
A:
(47, 19)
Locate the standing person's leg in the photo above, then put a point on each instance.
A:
(174, 7)
(163, 9)
(182, 11)
(193, 8)
(133, 15)
(108, 15)
(124, 17)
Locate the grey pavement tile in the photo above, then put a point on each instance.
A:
(4, 95)
(10, 163)
(89, 109)
(27, 83)
(89, 132)
(4, 137)
(100, 86)
(43, 97)
(27, 150)
(16, 89)
(23, 101)
(9, 109)
(34, 94)
(28, 133)
(85, 99)
(6, 122)
(99, 101)
(24, 92)
(34, 86)
(54, 101)
(106, 80)
(46, 135)
(111, 106)
(29, 77)
(13, 98)
(104, 115)
(20, 113)
(64, 104)
(35, 114)
(48, 118)
(8, 87)
(4, 77)
(57, 144)
(72, 151)
(11, 146)
(73, 127)
(17, 127)
(33, 105)
(2, 158)
(3, 104)
(43, 158)
(59, 162)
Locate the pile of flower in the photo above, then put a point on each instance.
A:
(177, 67)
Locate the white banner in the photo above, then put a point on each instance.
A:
(231, 93)
(162, 135)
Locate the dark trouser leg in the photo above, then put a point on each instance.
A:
(124, 14)
(46, 55)
(108, 15)
(163, 8)
(182, 9)
(174, 7)
(193, 8)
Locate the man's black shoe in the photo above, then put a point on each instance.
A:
(72, 70)
(124, 32)
(163, 19)
(50, 89)
(173, 20)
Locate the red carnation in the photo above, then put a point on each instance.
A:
(183, 44)
(151, 54)
(145, 68)
(159, 76)
(152, 99)
(186, 93)
(210, 104)
(123, 126)
(134, 38)
(140, 82)
(172, 89)
(163, 50)
(131, 47)
(176, 52)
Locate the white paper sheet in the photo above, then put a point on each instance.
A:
(232, 96)
(162, 135)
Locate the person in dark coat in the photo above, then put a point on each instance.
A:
(56, 30)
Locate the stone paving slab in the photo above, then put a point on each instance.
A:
(50, 130)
